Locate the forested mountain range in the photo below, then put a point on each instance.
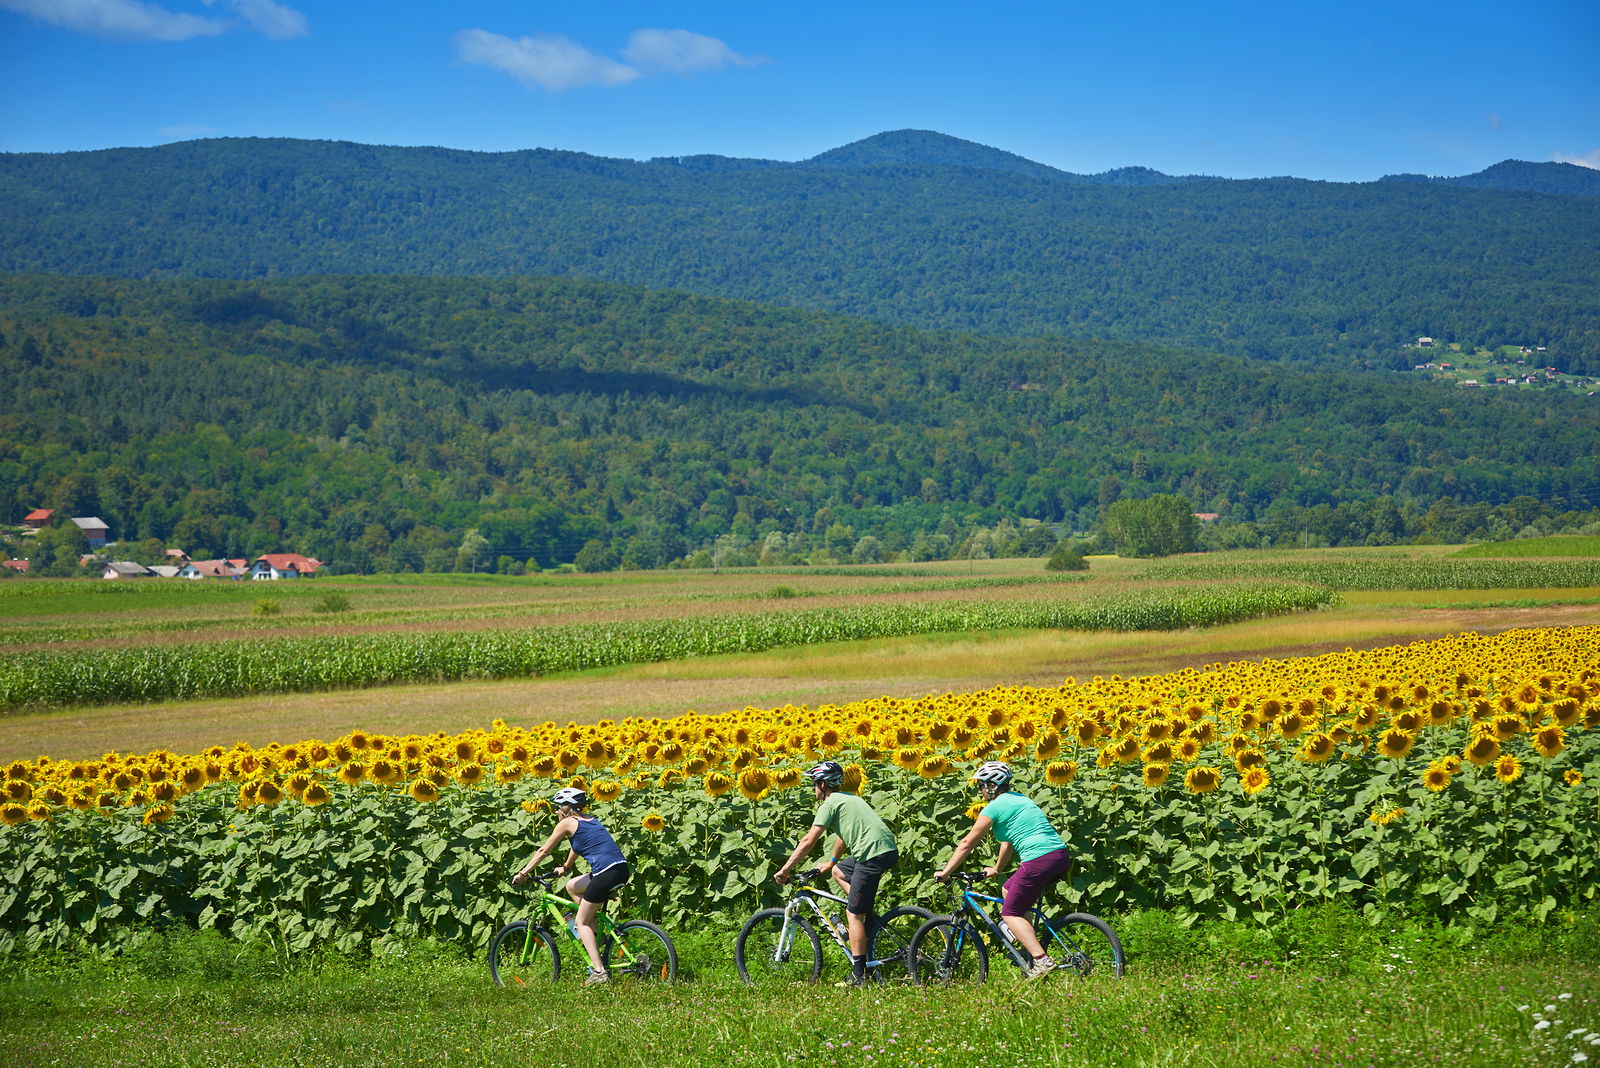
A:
(370, 421)
(908, 228)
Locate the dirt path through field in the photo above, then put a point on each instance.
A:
(811, 676)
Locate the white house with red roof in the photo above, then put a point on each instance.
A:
(283, 566)
(224, 569)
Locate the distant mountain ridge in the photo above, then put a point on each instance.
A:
(906, 227)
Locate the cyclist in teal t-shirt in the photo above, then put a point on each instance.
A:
(859, 832)
(1021, 829)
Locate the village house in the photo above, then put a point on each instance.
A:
(19, 566)
(199, 569)
(37, 519)
(283, 566)
(125, 569)
(95, 530)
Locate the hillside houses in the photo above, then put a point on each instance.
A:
(173, 563)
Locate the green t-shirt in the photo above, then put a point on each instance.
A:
(863, 830)
(1020, 822)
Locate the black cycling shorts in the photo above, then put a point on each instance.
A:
(602, 884)
(863, 877)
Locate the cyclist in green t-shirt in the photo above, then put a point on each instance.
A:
(863, 849)
(1022, 829)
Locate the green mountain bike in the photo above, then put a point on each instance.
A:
(525, 952)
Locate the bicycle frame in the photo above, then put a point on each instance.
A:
(806, 897)
(975, 907)
(561, 910)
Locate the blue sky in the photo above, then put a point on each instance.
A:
(1345, 91)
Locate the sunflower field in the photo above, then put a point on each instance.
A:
(1447, 779)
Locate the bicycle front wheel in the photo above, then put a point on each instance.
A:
(1086, 945)
(946, 951)
(522, 955)
(770, 952)
(641, 951)
(891, 941)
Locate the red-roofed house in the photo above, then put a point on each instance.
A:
(283, 566)
(37, 519)
(198, 569)
(15, 565)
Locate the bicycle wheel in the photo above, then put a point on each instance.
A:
(765, 955)
(1086, 945)
(640, 950)
(891, 941)
(522, 955)
(947, 951)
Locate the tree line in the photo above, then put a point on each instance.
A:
(375, 423)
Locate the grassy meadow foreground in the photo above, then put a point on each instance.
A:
(1401, 1001)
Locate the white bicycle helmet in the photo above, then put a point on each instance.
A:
(569, 796)
(996, 773)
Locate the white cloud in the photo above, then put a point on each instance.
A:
(681, 52)
(272, 19)
(556, 62)
(1588, 159)
(144, 21)
(119, 18)
(549, 60)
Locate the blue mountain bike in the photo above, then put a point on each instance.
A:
(950, 949)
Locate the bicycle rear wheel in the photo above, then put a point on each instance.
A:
(522, 955)
(1086, 945)
(946, 951)
(767, 956)
(639, 950)
(891, 941)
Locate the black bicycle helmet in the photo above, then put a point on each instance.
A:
(830, 772)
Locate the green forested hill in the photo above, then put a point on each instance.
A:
(373, 420)
(907, 228)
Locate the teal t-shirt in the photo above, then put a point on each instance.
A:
(1020, 822)
(863, 830)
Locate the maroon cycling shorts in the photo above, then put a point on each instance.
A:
(1031, 879)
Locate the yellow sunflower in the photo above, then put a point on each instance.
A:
(653, 822)
(1435, 778)
(352, 772)
(13, 814)
(158, 813)
(1508, 769)
(717, 784)
(1548, 741)
(607, 790)
(1254, 780)
(315, 794)
(471, 774)
(1395, 743)
(1482, 750)
(1202, 780)
(1317, 748)
(424, 791)
(1573, 776)
(1060, 772)
(1155, 775)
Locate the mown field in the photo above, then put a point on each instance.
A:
(1312, 811)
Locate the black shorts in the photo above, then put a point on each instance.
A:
(863, 877)
(603, 884)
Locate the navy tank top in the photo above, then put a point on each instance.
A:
(594, 844)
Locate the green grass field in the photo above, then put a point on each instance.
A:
(1397, 998)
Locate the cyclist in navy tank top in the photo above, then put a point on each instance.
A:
(608, 868)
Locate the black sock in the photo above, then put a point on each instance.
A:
(858, 966)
